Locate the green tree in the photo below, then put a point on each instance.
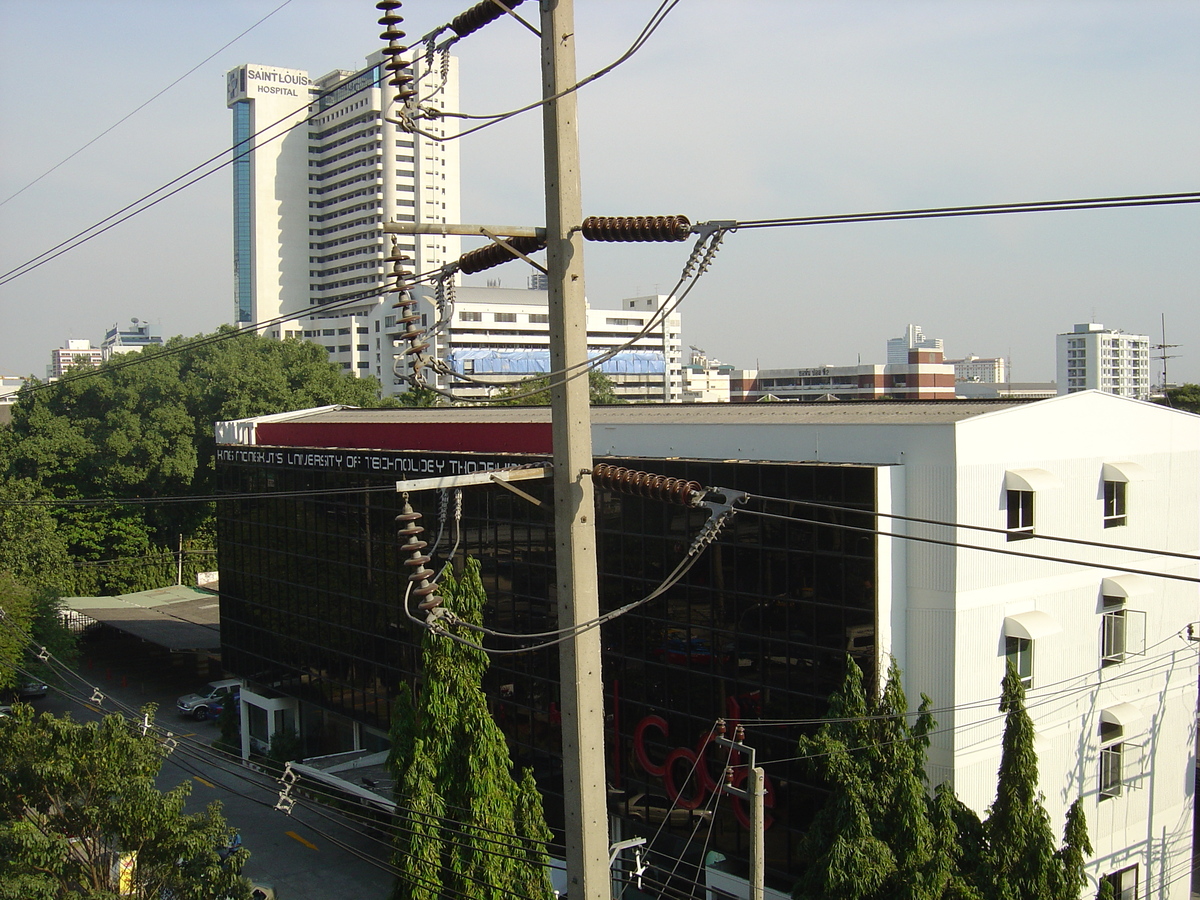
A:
(536, 392)
(32, 549)
(474, 831)
(1185, 397)
(1020, 860)
(76, 798)
(16, 621)
(879, 834)
(142, 427)
(29, 621)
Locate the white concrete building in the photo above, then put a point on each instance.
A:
(137, 337)
(706, 379)
(9, 386)
(502, 335)
(979, 370)
(325, 170)
(912, 339)
(1094, 358)
(1112, 676)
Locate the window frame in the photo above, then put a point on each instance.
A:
(1020, 512)
(1019, 651)
(1122, 630)
(1124, 882)
(1115, 504)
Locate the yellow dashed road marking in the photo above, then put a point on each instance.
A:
(296, 837)
(204, 781)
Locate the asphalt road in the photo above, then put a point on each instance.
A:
(312, 854)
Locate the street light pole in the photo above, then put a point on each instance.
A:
(574, 504)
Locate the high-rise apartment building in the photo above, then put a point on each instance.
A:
(912, 339)
(1093, 358)
(74, 354)
(319, 166)
(974, 369)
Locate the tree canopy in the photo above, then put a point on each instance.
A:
(79, 799)
(1185, 397)
(141, 427)
(536, 392)
(475, 831)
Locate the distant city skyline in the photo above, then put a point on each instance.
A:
(824, 108)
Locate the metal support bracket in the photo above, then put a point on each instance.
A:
(704, 229)
(623, 845)
(451, 228)
(516, 490)
(514, 251)
(484, 477)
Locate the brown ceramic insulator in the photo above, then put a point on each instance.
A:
(479, 15)
(636, 228)
(493, 254)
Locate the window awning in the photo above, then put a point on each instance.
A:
(1126, 586)
(1031, 625)
(1030, 480)
(1126, 715)
(1125, 471)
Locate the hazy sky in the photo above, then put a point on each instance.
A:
(733, 110)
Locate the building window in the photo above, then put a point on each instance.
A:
(1020, 515)
(1112, 760)
(505, 317)
(471, 316)
(539, 318)
(1114, 503)
(1019, 652)
(1124, 883)
(1123, 633)
(1113, 632)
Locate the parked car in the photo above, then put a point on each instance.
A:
(5, 712)
(196, 705)
(653, 808)
(29, 690)
(217, 707)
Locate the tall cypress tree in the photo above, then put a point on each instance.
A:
(472, 831)
(1020, 860)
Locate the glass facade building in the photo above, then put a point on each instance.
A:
(756, 632)
(243, 223)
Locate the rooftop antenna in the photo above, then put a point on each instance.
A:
(1163, 348)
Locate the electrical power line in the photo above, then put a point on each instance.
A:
(984, 528)
(146, 103)
(985, 210)
(135, 209)
(961, 546)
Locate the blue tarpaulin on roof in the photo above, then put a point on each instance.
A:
(533, 362)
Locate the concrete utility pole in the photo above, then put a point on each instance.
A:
(754, 794)
(574, 503)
